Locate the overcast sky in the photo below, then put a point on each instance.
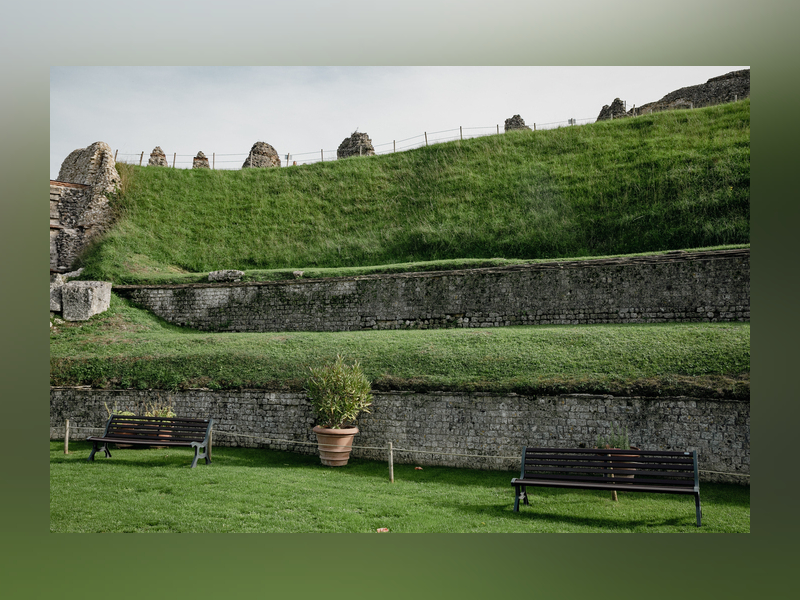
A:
(302, 110)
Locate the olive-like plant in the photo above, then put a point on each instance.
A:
(338, 393)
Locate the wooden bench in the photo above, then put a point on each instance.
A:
(658, 471)
(156, 431)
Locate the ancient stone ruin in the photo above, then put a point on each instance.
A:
(616, 110)
(516, 122)
(200, 161)
(157, 158)
(357, 144)
(262, 155)
(79, 209)
(717, 90)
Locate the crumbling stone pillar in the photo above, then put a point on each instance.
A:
(157, 158)
(200, 161)
(516, 122)
(357, 144)
(262, 155)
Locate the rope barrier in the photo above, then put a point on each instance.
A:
(382, 448)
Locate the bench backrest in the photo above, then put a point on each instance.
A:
(649, 467)
(157, 428)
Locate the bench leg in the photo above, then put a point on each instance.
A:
(198, 455)
(95, 448)
(519, 494)
(697, 508)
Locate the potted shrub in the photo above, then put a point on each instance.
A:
(125, 413)
(618, 440)
(338, 394)
(159, 408)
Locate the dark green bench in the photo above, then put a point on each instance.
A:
(657, 471)
(156, 431)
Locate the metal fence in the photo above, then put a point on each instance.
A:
(234, 161)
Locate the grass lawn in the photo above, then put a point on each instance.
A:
(255, 490)
(126, 347)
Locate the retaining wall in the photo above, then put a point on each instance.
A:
(494, 426)
(697, 286)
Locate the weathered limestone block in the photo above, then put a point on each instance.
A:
(157, 158)
(357, 144)
(516, 122)
(226, 275)
(82, 299)
(200, 161)
(262, 155)
(56, 283)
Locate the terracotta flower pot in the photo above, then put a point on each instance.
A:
(335, 445)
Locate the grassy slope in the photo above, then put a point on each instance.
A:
(671, 180)
(128, 347)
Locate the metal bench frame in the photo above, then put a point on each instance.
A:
(657, 471)
(156, 431)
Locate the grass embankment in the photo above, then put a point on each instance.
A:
(673, 180)
(155, 491)
(126, 347)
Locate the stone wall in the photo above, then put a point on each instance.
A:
(493, 426)
(68, 201)
(717, 90)
(676, 287)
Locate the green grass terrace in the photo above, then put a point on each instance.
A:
(255, 490)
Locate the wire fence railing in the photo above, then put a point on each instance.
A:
(388, 448)
(234, 161)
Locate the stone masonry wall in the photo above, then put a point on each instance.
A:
(493, 426)
(68, 201)
(679, 287)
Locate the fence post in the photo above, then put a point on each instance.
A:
(426, 138)
(213, 159)
(534, 126)
(394, 145)
(321, 156)
(141, 156)
(115, 154)
(498, 129)
(391, 463)
(66, 438)
(461, 132)
(173, 159)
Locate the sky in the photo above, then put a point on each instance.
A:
(223, 111)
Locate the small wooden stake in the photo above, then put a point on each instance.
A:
(213, 159)
(391, 463)
(534, 126)
(498, 129)
(141, 156)
(115, 154)
(426, 138)
(174, 155)
(394, 145)
(66, 438)
(321, 155)
(461, 132)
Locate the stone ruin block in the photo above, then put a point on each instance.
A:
(157, 158)
(200, 161)
(82, 299)
(226, 275)
(616, 110)
(515, 122)
(357, 144)
(262, 155)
